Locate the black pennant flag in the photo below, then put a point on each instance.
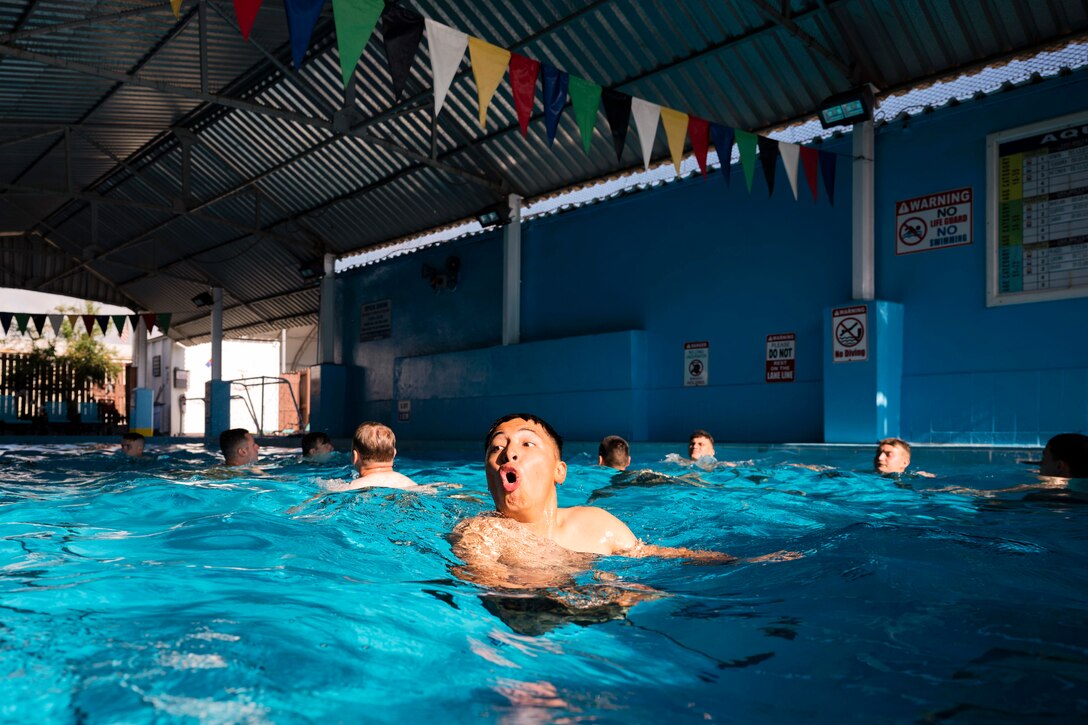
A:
(768, 159)
(617, 109)
(402, 29)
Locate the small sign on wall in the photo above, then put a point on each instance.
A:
(849, 333)
(781, 352)
(696, 363)
(404, 410)
(934, 221)
(376, 320)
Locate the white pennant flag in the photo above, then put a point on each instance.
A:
(646, 115)
(55, 321)
(790, 152)
(447, 47)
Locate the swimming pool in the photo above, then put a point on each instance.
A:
(154, 592)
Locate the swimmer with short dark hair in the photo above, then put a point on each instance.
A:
(132, 444)
(1065, 456)
(530, 541)
(239, 448)
(614, 452)
(317, 446)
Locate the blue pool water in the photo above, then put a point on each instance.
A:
(156, 592)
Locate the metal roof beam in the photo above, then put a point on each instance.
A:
(811, 43)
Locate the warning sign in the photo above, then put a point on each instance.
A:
(849, 341)
(935, 221)
(781, 351)
(696, 362)
(404, 410)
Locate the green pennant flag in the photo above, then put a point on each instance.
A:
(355, 21)
(163, 322)
(119, 323)
(21, 319)
(585, 96)
(746, 144)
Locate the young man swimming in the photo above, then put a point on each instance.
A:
(530, 541)
(373, 449)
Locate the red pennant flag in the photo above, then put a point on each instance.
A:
(246, 12)
(699, 133)
(523, 75)
(88, 322)
(810, 163)
(149, 320)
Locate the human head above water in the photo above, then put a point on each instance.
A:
(556, 438)
(614, 452)
(238, 447)
(892, 456)
(316, 443)
(1065, 456)
(700, 443)
(132, 444)
(373, 442)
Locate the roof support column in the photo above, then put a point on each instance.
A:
(511, 275)
(216, 390)
(217, 333)
(862, 212)
(328, 321)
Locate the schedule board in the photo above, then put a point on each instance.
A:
(1037, 211)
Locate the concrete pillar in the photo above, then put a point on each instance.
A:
(864, 276)
(141, 414)
(511, 275)
(328, 324)
(217, 333)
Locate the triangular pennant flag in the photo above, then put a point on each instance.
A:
(175, 5)
(746, 144)
(523, 74)
(72, 320)
(56, 322)
(246, 12)
(355, 21)
(5, 321)
(21, 319)
(810, 163)
(402, 31)
(676, 128)
(722, 136)
(88, 322)
(447, 48)
(39, 323)
(585, 96)
(134, 320)
(555, 97)
(827, 170)
(617, 109)
(646, 115)
(103, 323)
(768, 159)
(489, 63)
(119, 323)
(302, 16)
(698, 132)
(149, 320)
(790, 152)
(163, 321)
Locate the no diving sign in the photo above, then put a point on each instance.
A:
(696, 363)
(934, 221)
(849, 338)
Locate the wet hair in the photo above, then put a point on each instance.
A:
(374, 442)
(897, 442)
(230, 440)
(1072, 448)
(700, 433)
(614, 451)
(556, 438)
(133, 436)
(312, 440)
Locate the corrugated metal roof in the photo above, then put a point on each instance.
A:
(109, 114)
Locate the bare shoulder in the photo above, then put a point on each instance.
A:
(593, 530)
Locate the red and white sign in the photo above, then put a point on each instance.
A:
(781, 354)
(849, 333)
(696, 363)
(934, 221)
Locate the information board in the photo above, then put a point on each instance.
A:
(1037, 211)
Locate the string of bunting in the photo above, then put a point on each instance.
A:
(403, 29)
(23, 320)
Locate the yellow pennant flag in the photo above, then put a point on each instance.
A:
(489, 64)
(676, 130)
(175, 5)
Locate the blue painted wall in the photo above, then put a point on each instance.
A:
(700, 260)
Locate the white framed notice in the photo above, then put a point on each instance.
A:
(696, 363)
(1037, 212)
